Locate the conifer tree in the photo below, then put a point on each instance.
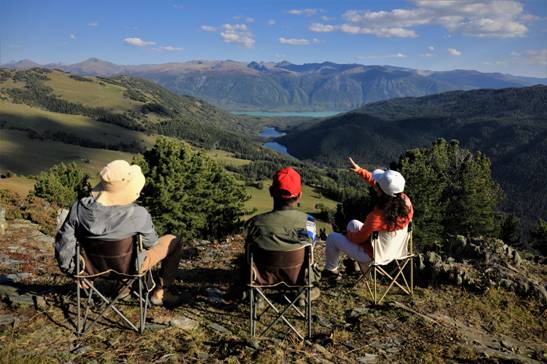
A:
(187, 193)
(62, 184)
(452, 191)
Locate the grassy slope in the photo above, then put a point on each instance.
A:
(93, 93)
(84, 128)
(29, 157)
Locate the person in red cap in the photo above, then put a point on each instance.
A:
(284, 228)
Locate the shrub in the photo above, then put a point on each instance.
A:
(189, 194)
(538, 237)
(62, 184)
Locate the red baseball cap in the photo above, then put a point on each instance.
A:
(286, 183)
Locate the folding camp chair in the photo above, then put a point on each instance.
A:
(280, 272)
(115, 261)
(389, 246)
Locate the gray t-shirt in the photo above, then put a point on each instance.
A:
(89, 218)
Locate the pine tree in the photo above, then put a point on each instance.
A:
(452, 191)
(62, 184)
(188, 194)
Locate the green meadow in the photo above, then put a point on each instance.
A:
(92, 93)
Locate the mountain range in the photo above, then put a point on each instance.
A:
(284, 86)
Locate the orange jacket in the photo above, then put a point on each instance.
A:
(375, 220)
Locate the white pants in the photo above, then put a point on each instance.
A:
(337, 243)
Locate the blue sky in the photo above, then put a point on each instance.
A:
(489, 35)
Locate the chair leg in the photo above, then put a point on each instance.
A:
(142, 309)
(252, 310)
(375, 296)
(280, 315)
(308, 311)
(111, 305)
(411, 276)
(79, 310)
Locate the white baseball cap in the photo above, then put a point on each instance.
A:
(390, 182)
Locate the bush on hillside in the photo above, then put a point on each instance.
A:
(189, 194)
(538, 237)
(62, 184)
(452, 191)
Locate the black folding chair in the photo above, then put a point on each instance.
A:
(114, 261)
(280, 272)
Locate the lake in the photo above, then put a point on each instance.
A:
(269, 132)
(274, 114)
(277, 147)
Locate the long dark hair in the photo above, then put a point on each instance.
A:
(393, 207)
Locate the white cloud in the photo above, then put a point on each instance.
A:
(138, 42)
(208, 28)
(72, 36)
(322, 28)
(454, 52)
(478, 18)
(536, 57)
(379, 32)
(271, 22)
(327, 18)
(250, 20)
(169, 49)
(431, 48)
(307, 12)
(237, 33)
(396, 55)
(298, 41)
(93, 24)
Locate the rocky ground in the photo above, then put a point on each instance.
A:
(495, 315)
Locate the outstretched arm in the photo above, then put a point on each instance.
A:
(366, 175)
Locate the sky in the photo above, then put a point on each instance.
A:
(507, 36)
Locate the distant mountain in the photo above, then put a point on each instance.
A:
(24, 64)
(285, 86)
(508, 125)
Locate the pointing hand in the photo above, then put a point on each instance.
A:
(354, 166)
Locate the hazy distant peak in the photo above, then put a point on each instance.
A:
(23, 64)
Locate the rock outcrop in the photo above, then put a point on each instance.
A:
(480, 263)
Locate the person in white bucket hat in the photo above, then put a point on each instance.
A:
(393, 211)
(110, 214)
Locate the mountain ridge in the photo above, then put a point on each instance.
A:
(284, 86)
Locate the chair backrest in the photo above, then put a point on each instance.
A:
(391, 245)
(270, 268)
(102, 257)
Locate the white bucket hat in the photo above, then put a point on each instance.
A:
(121, 183)
(390, 182)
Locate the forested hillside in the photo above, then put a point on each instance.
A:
(121, 113)
(508, 125)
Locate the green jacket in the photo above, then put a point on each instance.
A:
(278, 230)
(282, 230)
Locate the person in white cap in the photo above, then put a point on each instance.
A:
(393, 211)
(110, 213)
